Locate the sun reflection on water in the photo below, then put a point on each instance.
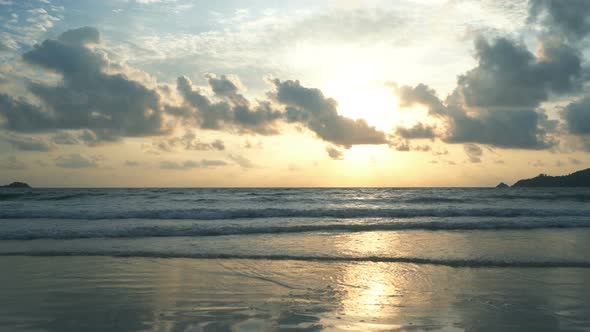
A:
(370, 294)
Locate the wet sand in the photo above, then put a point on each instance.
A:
(172, 294)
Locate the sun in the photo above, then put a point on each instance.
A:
(371, 101)
(351, 75)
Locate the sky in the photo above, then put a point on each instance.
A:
(179, 93)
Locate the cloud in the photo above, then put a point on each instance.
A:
(65, 138)
(97, 137)
(421, 94)
(334, 153)
(440, 152)
(190, 164)
(577, 117)
(422, 148)
(242, 161)
(11, 163)
(405, 146)
(108, 105)
(509, 77)
(310, 108)
(94, 97)
(473, 152)
(234, 111)
(228, 88)
(81, 36)
(22, 116)
(402, 146)
(570, 18)
(495, 102)
(29, 143)
(76, 160)
(188, 141)
(250, 145)
(418, 131)
(505, 129)
(575, 161)
(132, 163)
(501, 128)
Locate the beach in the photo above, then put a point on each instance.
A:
(335, 259)
(156, 294)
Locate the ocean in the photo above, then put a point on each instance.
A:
(454, 259)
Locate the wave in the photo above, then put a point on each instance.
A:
(163, 230)
(450, 262)
(433, 200)
(330, 196)
(343, 213)
(40, 196)
(581, 197)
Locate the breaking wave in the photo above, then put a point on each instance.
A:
(172, 230)
(343, 213)
(451, 262)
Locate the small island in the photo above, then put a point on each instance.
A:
(502, 185)
(17, 185)
(576, 179)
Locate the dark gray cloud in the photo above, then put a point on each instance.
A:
(208, 114)
(421, 94)
(312, 109)
(111, 106)
(190, 164)
(505, 129)
(502, 128)
(473, 152)
(509, 77)
(81, 36)
(26, 143)
(234, 111)
(495, 102)
(418, 131)
(570, 18)
(334, 153)
(76, 160)
(577, 117)
(23, 116)
(102, 106)
(224, 87)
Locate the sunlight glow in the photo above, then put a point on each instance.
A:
(370, 101)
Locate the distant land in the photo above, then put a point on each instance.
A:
(576, 179)
(16, 185)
